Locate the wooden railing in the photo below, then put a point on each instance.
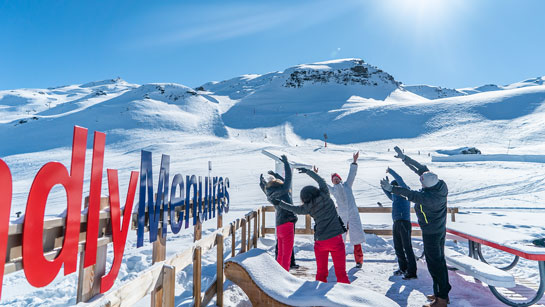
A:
(381, 232)
(159, 280)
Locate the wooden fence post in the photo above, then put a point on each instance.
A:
(243, 236)
(197, 231)
(219, 271)
(308, 224)
(248, 224)
(220, 221)
(169, 284)
(263, 221)
(233, 239)
(197, 276)
(89, 278)
(256, 229)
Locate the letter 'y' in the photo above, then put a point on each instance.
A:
(119, 234)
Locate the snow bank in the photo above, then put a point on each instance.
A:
(498, 157)
(293, 291)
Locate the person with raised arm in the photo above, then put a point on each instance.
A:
(402, 228)
(328, 227)
(431, 210)
(347, 208)
(279, 190)
(293, 264)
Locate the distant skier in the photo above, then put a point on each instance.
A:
(328, 227)
(285, 219)
(347, 208)
(431, 210)
(401, 215)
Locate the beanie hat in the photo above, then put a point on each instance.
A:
(336, 175)
(429, 179)
(308, 193)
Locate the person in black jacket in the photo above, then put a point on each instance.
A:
(293, 264)
(328, 227)
(285, 219)
(431, 210)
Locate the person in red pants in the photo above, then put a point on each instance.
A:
(328, 227)
(285, 219)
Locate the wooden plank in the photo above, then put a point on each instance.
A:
(219, 270)
(197, 277)
(209, 293)
(308, 223)
(159, 248)
(220, 221)
(169, 285)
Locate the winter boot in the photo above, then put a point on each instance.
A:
(399, 272)
(359, 265)
(408, 276)
(431, 298)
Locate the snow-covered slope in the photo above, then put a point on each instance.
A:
(37, 120)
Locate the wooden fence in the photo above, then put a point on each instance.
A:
(381, 232)
(158, 281)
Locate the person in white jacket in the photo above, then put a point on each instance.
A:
(347, 208)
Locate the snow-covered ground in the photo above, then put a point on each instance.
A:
(359, 107)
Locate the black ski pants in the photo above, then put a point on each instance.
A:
(403, 246)
(434, 249)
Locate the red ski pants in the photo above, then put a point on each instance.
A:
(358, 253)
(284, 235)
(335, 246)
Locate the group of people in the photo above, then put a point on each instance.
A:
(332, 222)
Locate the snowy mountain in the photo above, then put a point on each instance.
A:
(349, 100)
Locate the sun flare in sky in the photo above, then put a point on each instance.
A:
(421, 17)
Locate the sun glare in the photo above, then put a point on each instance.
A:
(420, 16)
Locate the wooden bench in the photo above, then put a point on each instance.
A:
(484, 272)
(266, 283)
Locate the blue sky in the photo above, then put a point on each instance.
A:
(451, 43)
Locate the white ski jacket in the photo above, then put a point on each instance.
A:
(347, 208)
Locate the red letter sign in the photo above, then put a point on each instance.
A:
(93, 213)
(38, 270)
(5, 206)
(119, 236)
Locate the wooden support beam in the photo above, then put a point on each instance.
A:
(169, 285)
(243, 236)
(256, 219)
(248, 224)
(89, 278)
(263, 221)
(233, 240)
(197, 276)
(219, 270)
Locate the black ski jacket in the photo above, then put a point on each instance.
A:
(281, 192)
(327, 223)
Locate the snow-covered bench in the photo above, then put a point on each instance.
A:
(484, 272)
(267, 284)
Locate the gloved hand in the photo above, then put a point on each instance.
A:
(385, 184)
(399, 152)
(284, 158)
(271, 173)
(261, 179)
(302, 170)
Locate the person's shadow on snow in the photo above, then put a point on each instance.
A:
(331, 277)
(401, 296)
